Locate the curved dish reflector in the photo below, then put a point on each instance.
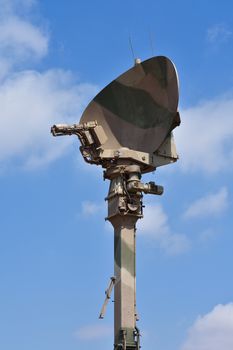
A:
(138, 110)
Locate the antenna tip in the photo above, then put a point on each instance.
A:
(137, 61)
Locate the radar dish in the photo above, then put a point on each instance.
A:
(138, 110)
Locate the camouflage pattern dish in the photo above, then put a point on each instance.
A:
(138, 110)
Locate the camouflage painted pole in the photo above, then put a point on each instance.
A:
(124, 290)
(124, 209)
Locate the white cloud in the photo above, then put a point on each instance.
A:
(205, 137)
(211, 204)
(21, 39)
(213, 331)
(218, 33)
(91, 208)
(32, 101)
(155, 226)
(11, 6)
(93, 332)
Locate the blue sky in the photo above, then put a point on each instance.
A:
(56, 251)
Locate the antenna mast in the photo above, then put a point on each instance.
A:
(124, 209)
(127, 129)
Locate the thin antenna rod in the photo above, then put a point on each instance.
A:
(131, 47)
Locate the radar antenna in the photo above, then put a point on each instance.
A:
(127, 129)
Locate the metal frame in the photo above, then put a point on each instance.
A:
(92, 136)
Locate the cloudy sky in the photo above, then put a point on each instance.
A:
(56, 251)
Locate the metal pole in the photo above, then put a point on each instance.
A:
(125, 273)
(124, 209)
